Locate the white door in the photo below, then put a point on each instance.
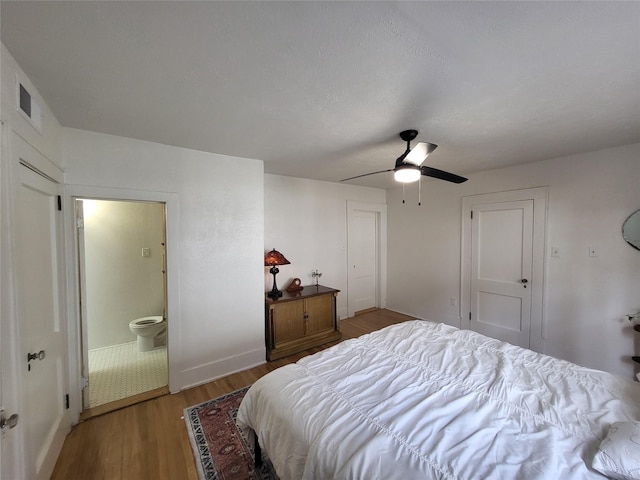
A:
(363, 254)
(2, 416)
(10, 438)
(39, 280)
(500, 270)
(504, 250)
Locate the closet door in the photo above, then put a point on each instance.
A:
(40, 279)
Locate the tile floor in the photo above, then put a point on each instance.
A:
(120, 371)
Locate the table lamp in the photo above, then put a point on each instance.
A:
(273, 259)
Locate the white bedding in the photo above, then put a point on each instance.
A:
(426, 400)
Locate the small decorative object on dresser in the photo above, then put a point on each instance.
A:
(300, 320)
(295, 285)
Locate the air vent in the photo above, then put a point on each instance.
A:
(25, 101)
(28, 107)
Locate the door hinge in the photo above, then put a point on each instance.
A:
(84, 382)
(66, 401)
(469, 315)
(59, 203)
(471, 214)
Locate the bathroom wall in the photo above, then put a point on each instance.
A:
(121, 283)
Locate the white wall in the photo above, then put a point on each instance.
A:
(216, 309)
(121, 284)
(306, 221)
(590, 195)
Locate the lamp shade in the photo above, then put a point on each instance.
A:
(274, 258)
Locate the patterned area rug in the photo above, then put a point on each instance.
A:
(219, 447)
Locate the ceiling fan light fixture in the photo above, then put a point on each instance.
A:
(409, 168)
(407, 174)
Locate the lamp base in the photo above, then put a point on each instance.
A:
(274, 293)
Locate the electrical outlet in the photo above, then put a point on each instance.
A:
(453, 301)
(146, 252)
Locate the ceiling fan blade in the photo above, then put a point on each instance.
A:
(442, 175)
(366, 174)
(419, 153)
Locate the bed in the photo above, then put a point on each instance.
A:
(426, 400)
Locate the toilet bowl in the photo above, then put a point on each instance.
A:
(150, 331)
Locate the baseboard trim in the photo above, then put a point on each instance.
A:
(192, 377)
(122, 403)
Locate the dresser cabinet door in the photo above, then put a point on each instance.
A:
(319, 314)
(300, 320)
(288, 322)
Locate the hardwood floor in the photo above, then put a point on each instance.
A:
(149, 440)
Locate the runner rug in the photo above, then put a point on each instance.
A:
(220, 449)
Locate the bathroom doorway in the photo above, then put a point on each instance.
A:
(122, 279)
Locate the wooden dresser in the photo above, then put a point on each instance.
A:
(300, 320)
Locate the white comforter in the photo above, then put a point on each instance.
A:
(426, 400)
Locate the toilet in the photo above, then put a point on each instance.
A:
(151, 332)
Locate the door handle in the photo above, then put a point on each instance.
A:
(524, 282)
(36, 356)
(10, 422)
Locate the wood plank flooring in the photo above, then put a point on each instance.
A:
(149, 440)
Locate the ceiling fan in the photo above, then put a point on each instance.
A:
(409, 166)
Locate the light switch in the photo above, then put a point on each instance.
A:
(146, 252)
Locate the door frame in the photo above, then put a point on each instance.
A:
(381, 255)
(539, 195)
(78, 216)
(79, 223)
(174, 355)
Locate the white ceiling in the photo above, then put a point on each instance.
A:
(321, 89)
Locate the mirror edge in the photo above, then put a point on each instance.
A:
(637, 212)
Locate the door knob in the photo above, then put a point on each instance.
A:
(10, 422)
(36, 356)
(524, 282)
